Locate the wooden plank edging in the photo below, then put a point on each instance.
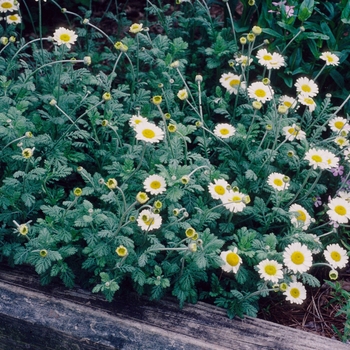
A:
(32, 317)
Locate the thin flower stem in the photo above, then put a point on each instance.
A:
(232, 22)
(301, 188)
(123, 217)
(139, 165)
(4, 47)
(185, 144)
(312, 186)
(82, 115)
(72, 121)
(28, 43)
(187, 88)
(166, 131)
(123, 196)
(319, 73)
(10, 143)
(100, 30)
(218, 138)
(296, 35)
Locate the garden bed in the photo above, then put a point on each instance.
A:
(36, 317)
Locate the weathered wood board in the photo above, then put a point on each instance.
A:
(33, 317)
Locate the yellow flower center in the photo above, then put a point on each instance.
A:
(270, 270)
(297, 258)
(306, 88)
(155, 185)
(267, 57)
(7, 5)
(232, 259)
(308, 100)
(287, 104)
(234, 82)
(278, 182)
(65, 37)
(317, 158)
(295, 292)
(329, 58)
(335, 256)
(236, 199)
(12, 18)
(220, 190)
(137, 121)
(339, 125)
(149, 222)
(340, 210)
(148, 133)
(301, 216)
(292, 131)
(260, 93)
(341, 141)
(224, 131)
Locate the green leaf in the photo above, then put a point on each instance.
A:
(305, 10)
(345, 15)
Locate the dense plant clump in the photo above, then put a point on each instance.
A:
(209, 161)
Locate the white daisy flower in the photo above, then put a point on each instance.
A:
(332, 160)
(288, 101)
(277, 61)
(339, 210)
(219, 188)
(149, 132)
(264, 57)
(224, 130)
(317, 158)
(336, 256)
(295, 293)
(293, 132)
(345, 195)
(301, 218)
(13, 19)
(306, 87)
(341, 141)
(232, 260)
(338, 124)
(155, 184)
(330, 58)
(8, 6)
(64, 36)
(136, 119)
(243, 61)
(234, 201)
(148, 220)
(260, 92)
(277, 181)
(297, 257)
(270, 270)
(232, 82)
(347, 154)
(307, 101)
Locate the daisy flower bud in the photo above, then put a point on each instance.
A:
(43, 253)
(106, 96)
(121, 251)
(157, 100)
(77, 192)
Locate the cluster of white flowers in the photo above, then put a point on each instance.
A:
(231, 198)
(8, 7)
(297, 259)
